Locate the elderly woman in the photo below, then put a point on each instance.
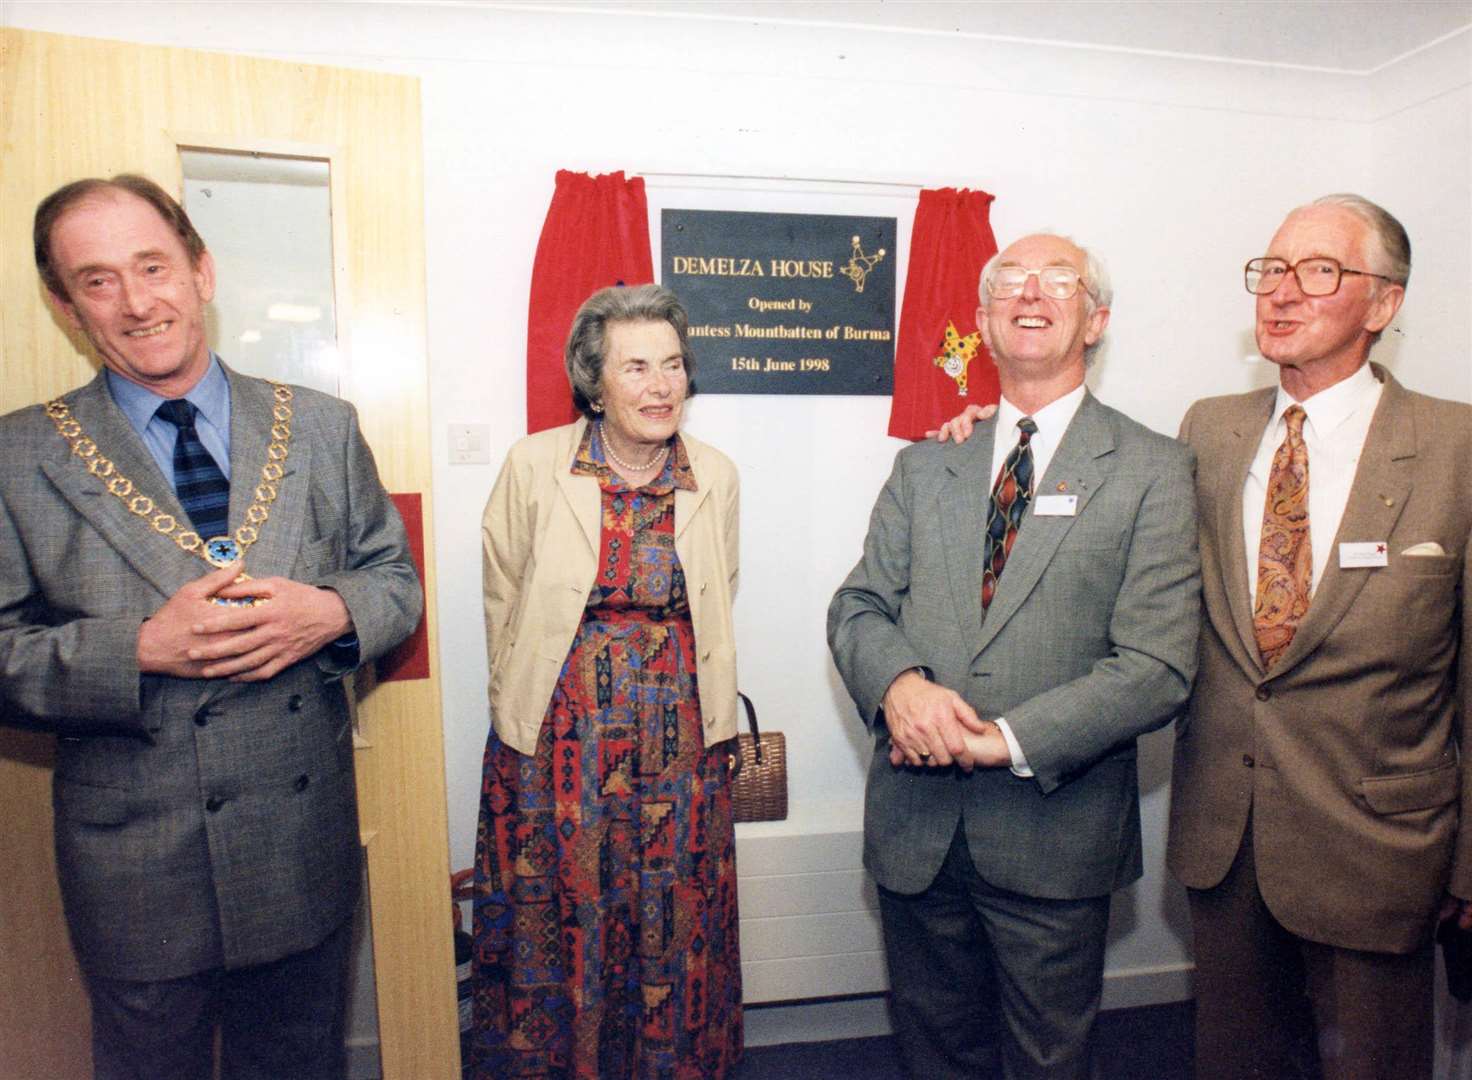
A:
(605, 909)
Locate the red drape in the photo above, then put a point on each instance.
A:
(940, 364)
(596, 234)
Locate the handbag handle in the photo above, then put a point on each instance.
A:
(751, 723)
(734, 760)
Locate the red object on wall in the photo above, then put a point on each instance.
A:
(940, 364)
(410, 658)
(596, 234)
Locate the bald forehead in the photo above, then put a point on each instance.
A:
(104, 197)
(1042, 249)
(1331, 231)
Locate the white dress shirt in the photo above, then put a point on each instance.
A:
(1338, 419)
(1052, 421)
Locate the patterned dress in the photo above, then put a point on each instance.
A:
(605, 909)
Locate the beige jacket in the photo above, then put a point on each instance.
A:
(540, 537)
(1351, 755)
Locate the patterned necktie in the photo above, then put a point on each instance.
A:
(1285, 557)
(202, 488)
(1010, 496)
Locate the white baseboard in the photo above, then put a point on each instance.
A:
(818, 1021)
(868, 1016)
(1132, 988)
(363, 1060)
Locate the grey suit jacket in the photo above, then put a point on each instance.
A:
(1347, 756)
(198, 823)
(1090, 641)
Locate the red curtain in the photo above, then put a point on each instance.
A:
(596, 234)
(940, 364)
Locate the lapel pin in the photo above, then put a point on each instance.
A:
(1387, 500)
(1062, 485)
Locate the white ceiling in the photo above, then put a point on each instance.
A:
(1344, 35)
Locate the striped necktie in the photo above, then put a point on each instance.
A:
(201, 486)
(1010, 496)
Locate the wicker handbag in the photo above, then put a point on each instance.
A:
(758, 772)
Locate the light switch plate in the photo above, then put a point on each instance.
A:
(470, 444)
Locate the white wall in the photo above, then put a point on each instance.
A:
(1176, 170)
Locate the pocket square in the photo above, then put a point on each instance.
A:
(1429, 547)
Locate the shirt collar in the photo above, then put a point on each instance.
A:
(211, 396)
(591, 460)
(1333, 405)
(1052, 419)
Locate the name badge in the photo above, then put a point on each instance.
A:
(1055, 505)
(1364, 553)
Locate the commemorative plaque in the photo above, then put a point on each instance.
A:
(785, 303)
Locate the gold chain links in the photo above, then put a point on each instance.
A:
(144, 507)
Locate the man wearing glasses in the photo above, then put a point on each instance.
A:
(1027, 603)
(1319, 803)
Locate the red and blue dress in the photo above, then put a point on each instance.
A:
(605, 913)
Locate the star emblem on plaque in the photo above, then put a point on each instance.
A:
(955, 356)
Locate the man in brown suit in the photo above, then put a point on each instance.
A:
(1319, 813)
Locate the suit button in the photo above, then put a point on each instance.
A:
(705, 655)
(294, 703)
(1263, 693)
(301, 782)
(702, 588)
(213, 804)
(1247, 760)
(202, 717)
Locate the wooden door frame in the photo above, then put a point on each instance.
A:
(138, 97)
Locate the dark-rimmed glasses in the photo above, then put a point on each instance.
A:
(1318, 276)
(1056, 282)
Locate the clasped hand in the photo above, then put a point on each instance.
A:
(1453, 907)
(189, 637)
(931, 725)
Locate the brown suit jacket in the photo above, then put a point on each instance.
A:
(1347, 757)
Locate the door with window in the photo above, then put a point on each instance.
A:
(306, 183)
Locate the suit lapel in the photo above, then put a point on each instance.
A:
(964, 498)
(1076, 469)
(153, 556)
(1246, 434)
(1381, 488)
(279, 538)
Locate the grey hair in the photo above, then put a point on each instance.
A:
(1098, 290)
(1390, 234)
(587, 341)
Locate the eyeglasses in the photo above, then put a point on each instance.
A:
(1319, 276)
(1057, 282)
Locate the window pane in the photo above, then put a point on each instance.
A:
(268, 224)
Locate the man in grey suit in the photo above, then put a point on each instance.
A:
(1026, 605)
(206, 827)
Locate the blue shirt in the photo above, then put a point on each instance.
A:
(211, 396)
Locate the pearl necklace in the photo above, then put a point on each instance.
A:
(621, 463)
